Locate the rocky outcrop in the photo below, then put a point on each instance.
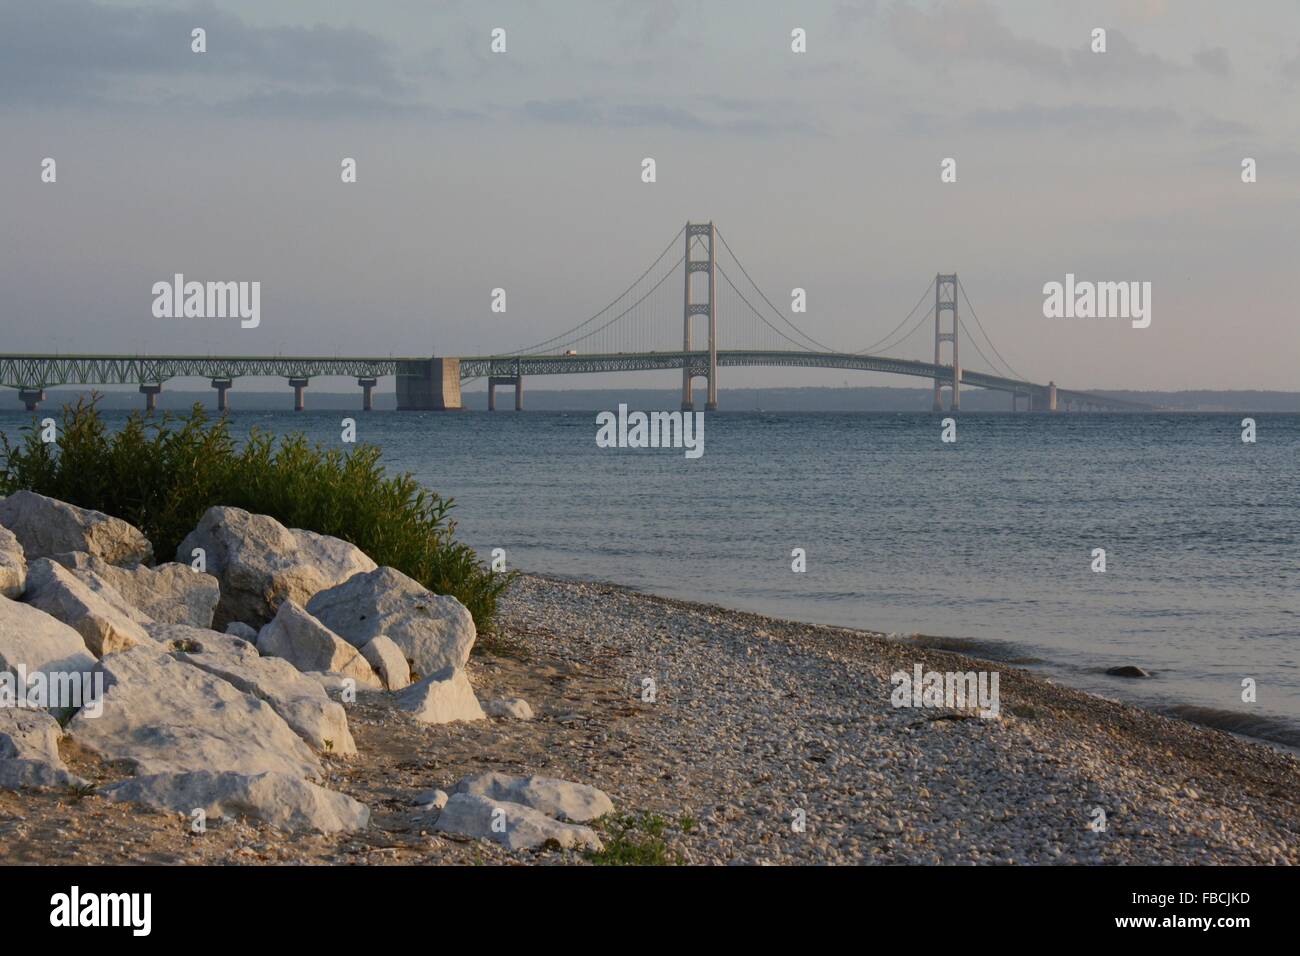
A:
(434, 631)
(13, 565)
(561, 799)
(441, 698)
(301, 701)
(31, 639)
(162, 715)
(1127, 670)
(388, 662)
(260, 563)
(309, 645)
(514, 708)
(169, 593)
(88, 605)
(46, 527)
(283, 801)
(513, 825)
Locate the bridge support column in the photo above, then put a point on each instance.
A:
(1051, 396)
(945, 300)
(31, 397)
(428, 384)
(519, 393)
(150, 393)
(516, 380)
(298, 385)
(367, 386)
(222, 385)
(695, 233)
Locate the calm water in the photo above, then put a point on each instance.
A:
(988, 541)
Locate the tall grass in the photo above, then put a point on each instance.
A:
(162, 474)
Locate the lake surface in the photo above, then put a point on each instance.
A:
(987, 541)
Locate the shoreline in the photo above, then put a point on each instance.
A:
(753, 719)
(1278, 733)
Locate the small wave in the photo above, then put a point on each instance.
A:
(1276, 729)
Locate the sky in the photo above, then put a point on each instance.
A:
(522, 171)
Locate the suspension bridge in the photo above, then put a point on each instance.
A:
(705, 288)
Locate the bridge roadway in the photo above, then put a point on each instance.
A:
(32, 373)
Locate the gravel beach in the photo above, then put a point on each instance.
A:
(754, 725)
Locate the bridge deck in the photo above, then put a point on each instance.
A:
(35, 371)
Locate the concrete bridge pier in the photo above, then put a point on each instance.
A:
(367, 386)
(298, 385)
(516, 380)
(31, 397)
(150, 393)
(222, 385)
(428, 384)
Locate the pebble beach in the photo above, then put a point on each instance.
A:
(760, 741)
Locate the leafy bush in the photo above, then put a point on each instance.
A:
(161, 475)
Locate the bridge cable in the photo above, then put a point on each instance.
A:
(878, 342)
(759, 315)
(1005, 363)
(647, 295)
(910, 332)
(619, 298)
(775, 310)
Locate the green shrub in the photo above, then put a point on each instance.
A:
(162, 475)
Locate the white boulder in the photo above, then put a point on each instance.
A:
(29, 751)
(45, 527)
(162, 715)
(309, 645)
(513, 825)
(561, 799)
(388, 661)
(91, 607)
(434, 631)
(515, 708)
(301, 701)
(283, 801)
(13, 565)
(33, 640)
(261, 563)
(168, 593)
(441, 698)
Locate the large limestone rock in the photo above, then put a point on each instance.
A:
(91, 607)
(388, 662)
(45, 527)
(13, 565)
(37, 642)
(309, 645)
(278, 799)
(162, 715)
(301, 701)
(29, 751)
(433, 631)
(261, 563)
(441, 698)
(169, 593)
(519, 827)
(561, 799)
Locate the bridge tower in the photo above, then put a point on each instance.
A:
(945, 300)
(708, 265)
